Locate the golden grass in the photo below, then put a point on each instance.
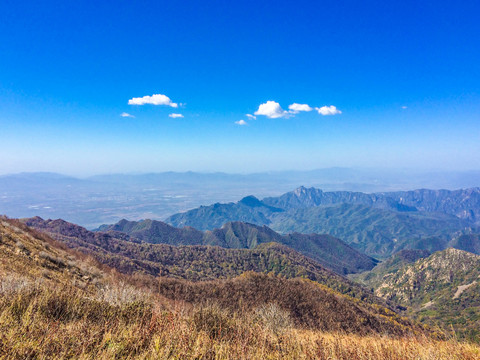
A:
(53, 306)
(38, 321)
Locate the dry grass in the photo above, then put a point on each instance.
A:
(56, 304)
(37, 321)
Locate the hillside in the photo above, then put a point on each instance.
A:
(326, 250)
(442, 288)
(34, 256)
(59, 303)
(375, 277)
(310, 304)
(196, 263)
(467, 242)
(464, 204)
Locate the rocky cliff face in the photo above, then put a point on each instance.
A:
(443, 288)
(444, 270)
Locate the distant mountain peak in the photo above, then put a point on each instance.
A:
(251, 201)
(302, 190)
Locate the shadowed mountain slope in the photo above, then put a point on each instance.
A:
(249, 209)
(374, 231)
(468, 242)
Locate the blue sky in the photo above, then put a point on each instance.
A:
(404, 75)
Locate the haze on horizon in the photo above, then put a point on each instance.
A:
(238, 87)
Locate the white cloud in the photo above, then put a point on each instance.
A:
(174, 116)
(328, 110)
(271, 109)
(124, 114)
(296, 108)
(241, 122)
(404, 107)
(155, 99)
(251, 117)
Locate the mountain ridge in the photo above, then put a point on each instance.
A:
(326, 250)
(194, 262)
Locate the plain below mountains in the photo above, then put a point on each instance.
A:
(378, 224)
(106, 199)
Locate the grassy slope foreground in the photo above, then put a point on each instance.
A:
(56, 303)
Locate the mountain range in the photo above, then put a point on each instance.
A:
(464, 203)
(378, 224)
